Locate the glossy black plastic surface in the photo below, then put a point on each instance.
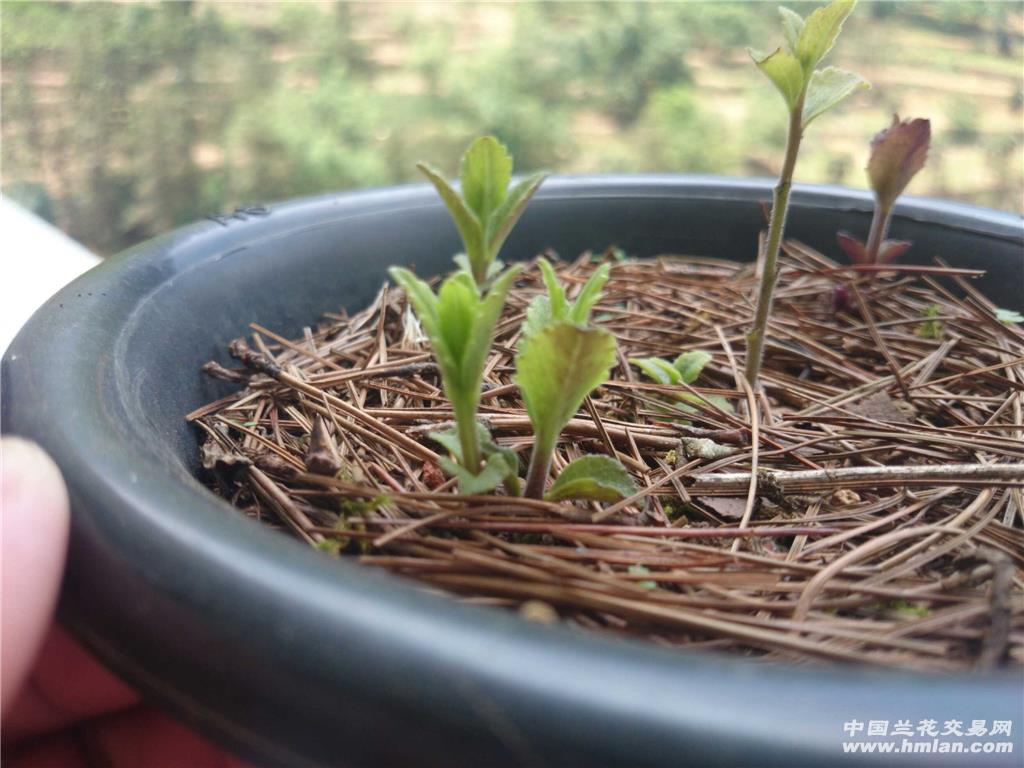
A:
(294, 659)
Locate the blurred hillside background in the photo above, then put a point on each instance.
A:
(122, 120)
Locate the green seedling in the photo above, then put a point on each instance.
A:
(459, 322)
(642, 570)
(809, 93)
(487, 209)
(897, 154)
(684, 369)
(931, 328)
(561, 360)
(554, 306)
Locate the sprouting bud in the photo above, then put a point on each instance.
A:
(897, 154)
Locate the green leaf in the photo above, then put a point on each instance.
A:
(538, 315)
(508, 213)
(485, 172)
(470, 228)
(642, 570)
(658, 370)
(449, 438)
(457, 303)
(598, 478)
(690, 364)
(590, 294)
(1009, 316)
(792, 25)
(556, 369)
(544, 310)
(721, 403)
(819, 32)
(785, 72)
(829, 87)
(558, 306)
(930, 328)
(490, 477)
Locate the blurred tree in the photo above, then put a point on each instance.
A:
(125, 119)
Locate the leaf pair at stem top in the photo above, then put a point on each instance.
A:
(809, 93)
(487, 209)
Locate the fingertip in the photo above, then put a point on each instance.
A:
(32, 549)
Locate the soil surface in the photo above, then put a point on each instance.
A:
(864, 505)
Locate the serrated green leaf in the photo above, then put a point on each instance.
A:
(485, 172)
(556, 369)
(785, 72)
(589, 295)
(690, 364)
(490, 477)
(829, 87)
(597, 478)
(507, 214)
(819, 32)
(470, 228)
(658, 370)
(792, 24)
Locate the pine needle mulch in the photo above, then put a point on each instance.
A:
(866, 506)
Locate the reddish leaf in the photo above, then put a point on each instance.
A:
(897, 154)
(852, 247)
(892, 250)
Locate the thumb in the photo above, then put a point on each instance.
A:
(34, 505)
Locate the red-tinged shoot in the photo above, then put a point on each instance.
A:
(897, 154)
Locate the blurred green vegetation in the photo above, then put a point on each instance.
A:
(123, 120)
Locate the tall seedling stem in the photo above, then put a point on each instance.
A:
(808, 93)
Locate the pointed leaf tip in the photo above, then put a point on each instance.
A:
(820, 31)
(485, 172)
(690, 364)
(852, 247)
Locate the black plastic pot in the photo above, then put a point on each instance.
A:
(291, 658)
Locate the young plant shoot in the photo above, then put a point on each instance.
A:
(808, 93)
(486, 210)
(459, 323)
(561, 360)
(685, 369)
(897, 154)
